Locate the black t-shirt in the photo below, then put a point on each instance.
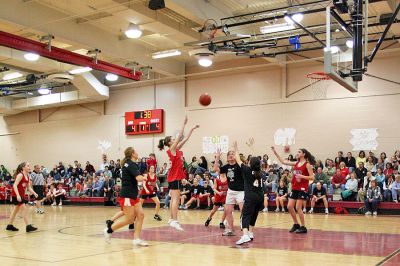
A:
(282, 191)
(185, 188)
(319, 193)
(234, 175)
(361, 173)
(252, 185)
(207, 189)
(129, 185)
(195, 190)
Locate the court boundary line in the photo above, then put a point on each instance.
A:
(391, 255)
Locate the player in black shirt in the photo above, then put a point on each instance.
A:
(207, 192)
(253, 195)
(129, 200)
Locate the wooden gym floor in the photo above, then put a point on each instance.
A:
(72, 235)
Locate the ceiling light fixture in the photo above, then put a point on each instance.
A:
(298, 17)
(111, 77)
(31, 56)
(334, 49)
(80, 70)
(133, 31)
(349, 43)
(276, 28)
(205, 61)
(164, 54)
(12, 75)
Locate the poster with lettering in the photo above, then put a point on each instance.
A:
(284, 136)
(212, 143)
(364, 139)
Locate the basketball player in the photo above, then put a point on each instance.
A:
(235, 193)
(129, 201)
(22, 181)
(220, 190)
(253, 195)
(175, 173)
(302, 174)
(148, 191)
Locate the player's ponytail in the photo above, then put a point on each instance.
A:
(308, 156)
(255, 166)
(164, 142)
(128, 155)
(19, 169)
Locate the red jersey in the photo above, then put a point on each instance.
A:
(175, 166)
(21, 187)
(300, 184)
(149, 184)
(151, 162)
(221, 187)
(345, 172)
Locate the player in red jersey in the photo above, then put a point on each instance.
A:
(176, 172)
(220, 190)
(149, 191)
(21, 183)
(303, 173)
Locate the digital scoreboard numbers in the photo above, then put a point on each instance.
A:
(144, 122)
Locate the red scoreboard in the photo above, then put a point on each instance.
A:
(144, 122)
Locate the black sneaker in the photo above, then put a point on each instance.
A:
(109, 223)
(157, 217)
(30, 228)
(131, 226)
(11, 227)
(209, 207)
(207, 222)
(294, 228)
(197, 208)
(221, 226)
(301, 230)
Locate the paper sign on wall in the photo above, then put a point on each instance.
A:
(364, 139)
(213, 143)
(285, 136)
(103, 145)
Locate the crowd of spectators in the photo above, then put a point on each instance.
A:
(370, 179)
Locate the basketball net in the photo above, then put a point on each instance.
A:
(319, 82)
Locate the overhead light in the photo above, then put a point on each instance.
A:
(298, 17)
(337, 30)
(80, 70)
(334, 49)
(276, 28)
(43, 90)
(349, 43)
(111, 77)
(133, 31)
(164, 54)
(31, 56)
(205, 61)
(12, 75)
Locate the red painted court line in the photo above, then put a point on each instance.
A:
(348, 243)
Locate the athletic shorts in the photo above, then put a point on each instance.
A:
(39, 190)
(148, 196)
(125, 202)
(175, 184)
(234, 197)
(219, 204)
(17, 203)
(298, 195)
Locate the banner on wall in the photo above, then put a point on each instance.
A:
(364, 139)
(285, 136)
(213, 143)
(103, 146)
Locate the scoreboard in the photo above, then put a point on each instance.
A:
(144, 122)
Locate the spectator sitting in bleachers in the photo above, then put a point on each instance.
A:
(387, 188)
(350, 162)
(319, 194)
(338, 181)
(361, 158)
(89, 168)
(206, 192)
(388, 170)
(380, 178)
(50, 194)
(329, 169)
(108, 187)
(185, 192)
(76, 190)
(380, 164)
(88, 187)
(191, 179)
(55, 174)
(321, 177)
(351, 188)
(4, 174)
(370, 164)
(365, 185)
(207, 178)
(97, 187)
(344, 170)
(195, 193)
(107, 172)
(396, 189)
(271, 181)
(361, 172)
(281, 196)
(373, 197)
(59, 195)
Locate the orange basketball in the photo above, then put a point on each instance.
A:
(205, 99)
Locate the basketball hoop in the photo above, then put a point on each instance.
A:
(319, 82)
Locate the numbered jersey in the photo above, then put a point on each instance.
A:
(252, 183)
(150, 185)
(175, 166)
(300, 184)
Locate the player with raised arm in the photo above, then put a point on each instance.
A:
(303, 173)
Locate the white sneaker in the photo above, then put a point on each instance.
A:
(53, 204)
(395, 201)
(304, 210)
(140, 243)
(251, 235)
(326, 211)
(176, 225)
(265, 210)
(243, 239)
(221, 208)
(368, 213)
(277, 210)
(311, 211)
(107, 236)
(375, 213)
(228, 232)
(60, 204)
(283, 210)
